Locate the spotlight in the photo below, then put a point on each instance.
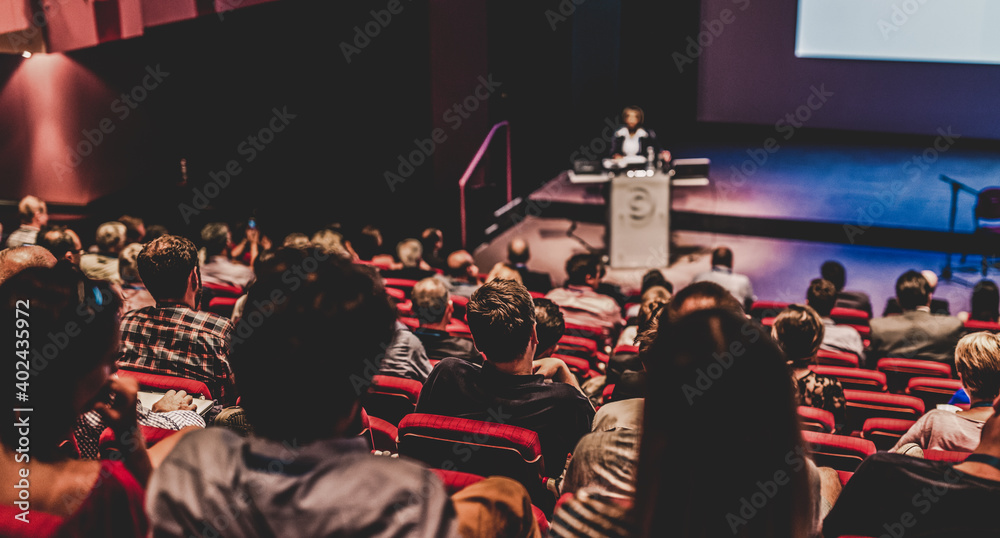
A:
(26, 54)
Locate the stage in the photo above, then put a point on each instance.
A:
(879, 211)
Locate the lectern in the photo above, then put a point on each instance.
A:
(639, 220)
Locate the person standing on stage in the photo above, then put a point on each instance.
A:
(633, 139)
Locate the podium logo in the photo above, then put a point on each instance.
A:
(641, 206)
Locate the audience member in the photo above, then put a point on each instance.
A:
(938, 306)
(799, 331)
(155, 231)
(413, 267)
(367, 244)
(916, 333)
(135, 229)
(683, 491)
(977, 359)
(331, 242)
(462, 275)
(405, 356)
(14, 260)
(218, 268)
(62, 242)
(502, 271)
(518, 254)
(821, 297)
(654, 277)
(433, 307)
(651, 297)
(893, 494)
(701, 296)
(550, 326)
(34, 214)
(296, 240)
(985, 303)
(173, 338)
(501, 317)
(835, 273)
(103, 264)
(432, 241)
(579, 299)
(134, 292)
(723, 275)
(303, 472)
(68, 497)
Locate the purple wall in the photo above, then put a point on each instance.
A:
(748, 73)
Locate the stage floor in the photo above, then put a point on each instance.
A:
(888, 187)
(780, 269)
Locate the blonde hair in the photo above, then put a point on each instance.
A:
(503, 272)
(977, 359)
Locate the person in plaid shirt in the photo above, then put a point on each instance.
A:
(173, 338)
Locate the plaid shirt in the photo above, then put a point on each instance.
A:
(172, 339)
(90, 426)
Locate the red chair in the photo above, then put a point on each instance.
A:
(844, 477)
(858, 319)
(391, 398)
(933, 390)
(854, 378)
(767, 309)
(815, 419)
(885, 432)
(587, 331)
(951, 456)
(455, 481)
(972, 326)
(404, 284)
(838, 451)
(898, 372)
(383, 435)
(536, 295)
(837, 358)
(397, 294)
(163, 383)
(579, 367)
(477, 447)
(863, 405)
(460, 304)
(220, 298)
(608, 393)
(109, 442)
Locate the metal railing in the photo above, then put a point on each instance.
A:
(464, 180)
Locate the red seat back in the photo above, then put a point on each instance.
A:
(975, 326)
(391, 398)
(933, 390)
(837, 358)
(455, 481)
(163, 383)
(151, 435)
(946, 455)
(863, 405)
(838, 451)
(854, 378)
(849, 316)
(767, 309)
(403, 284)
(383, 434)
(815, 419)
(885, 432)
(477, 447)
(898, 372)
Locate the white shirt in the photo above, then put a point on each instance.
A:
(632, 145)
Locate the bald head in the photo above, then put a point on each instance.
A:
(932, 279)
(15, 260)
(518, 252)
(33, 211)
(461, 265)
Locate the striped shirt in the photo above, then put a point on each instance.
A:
(174, 340)
(592, 515)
